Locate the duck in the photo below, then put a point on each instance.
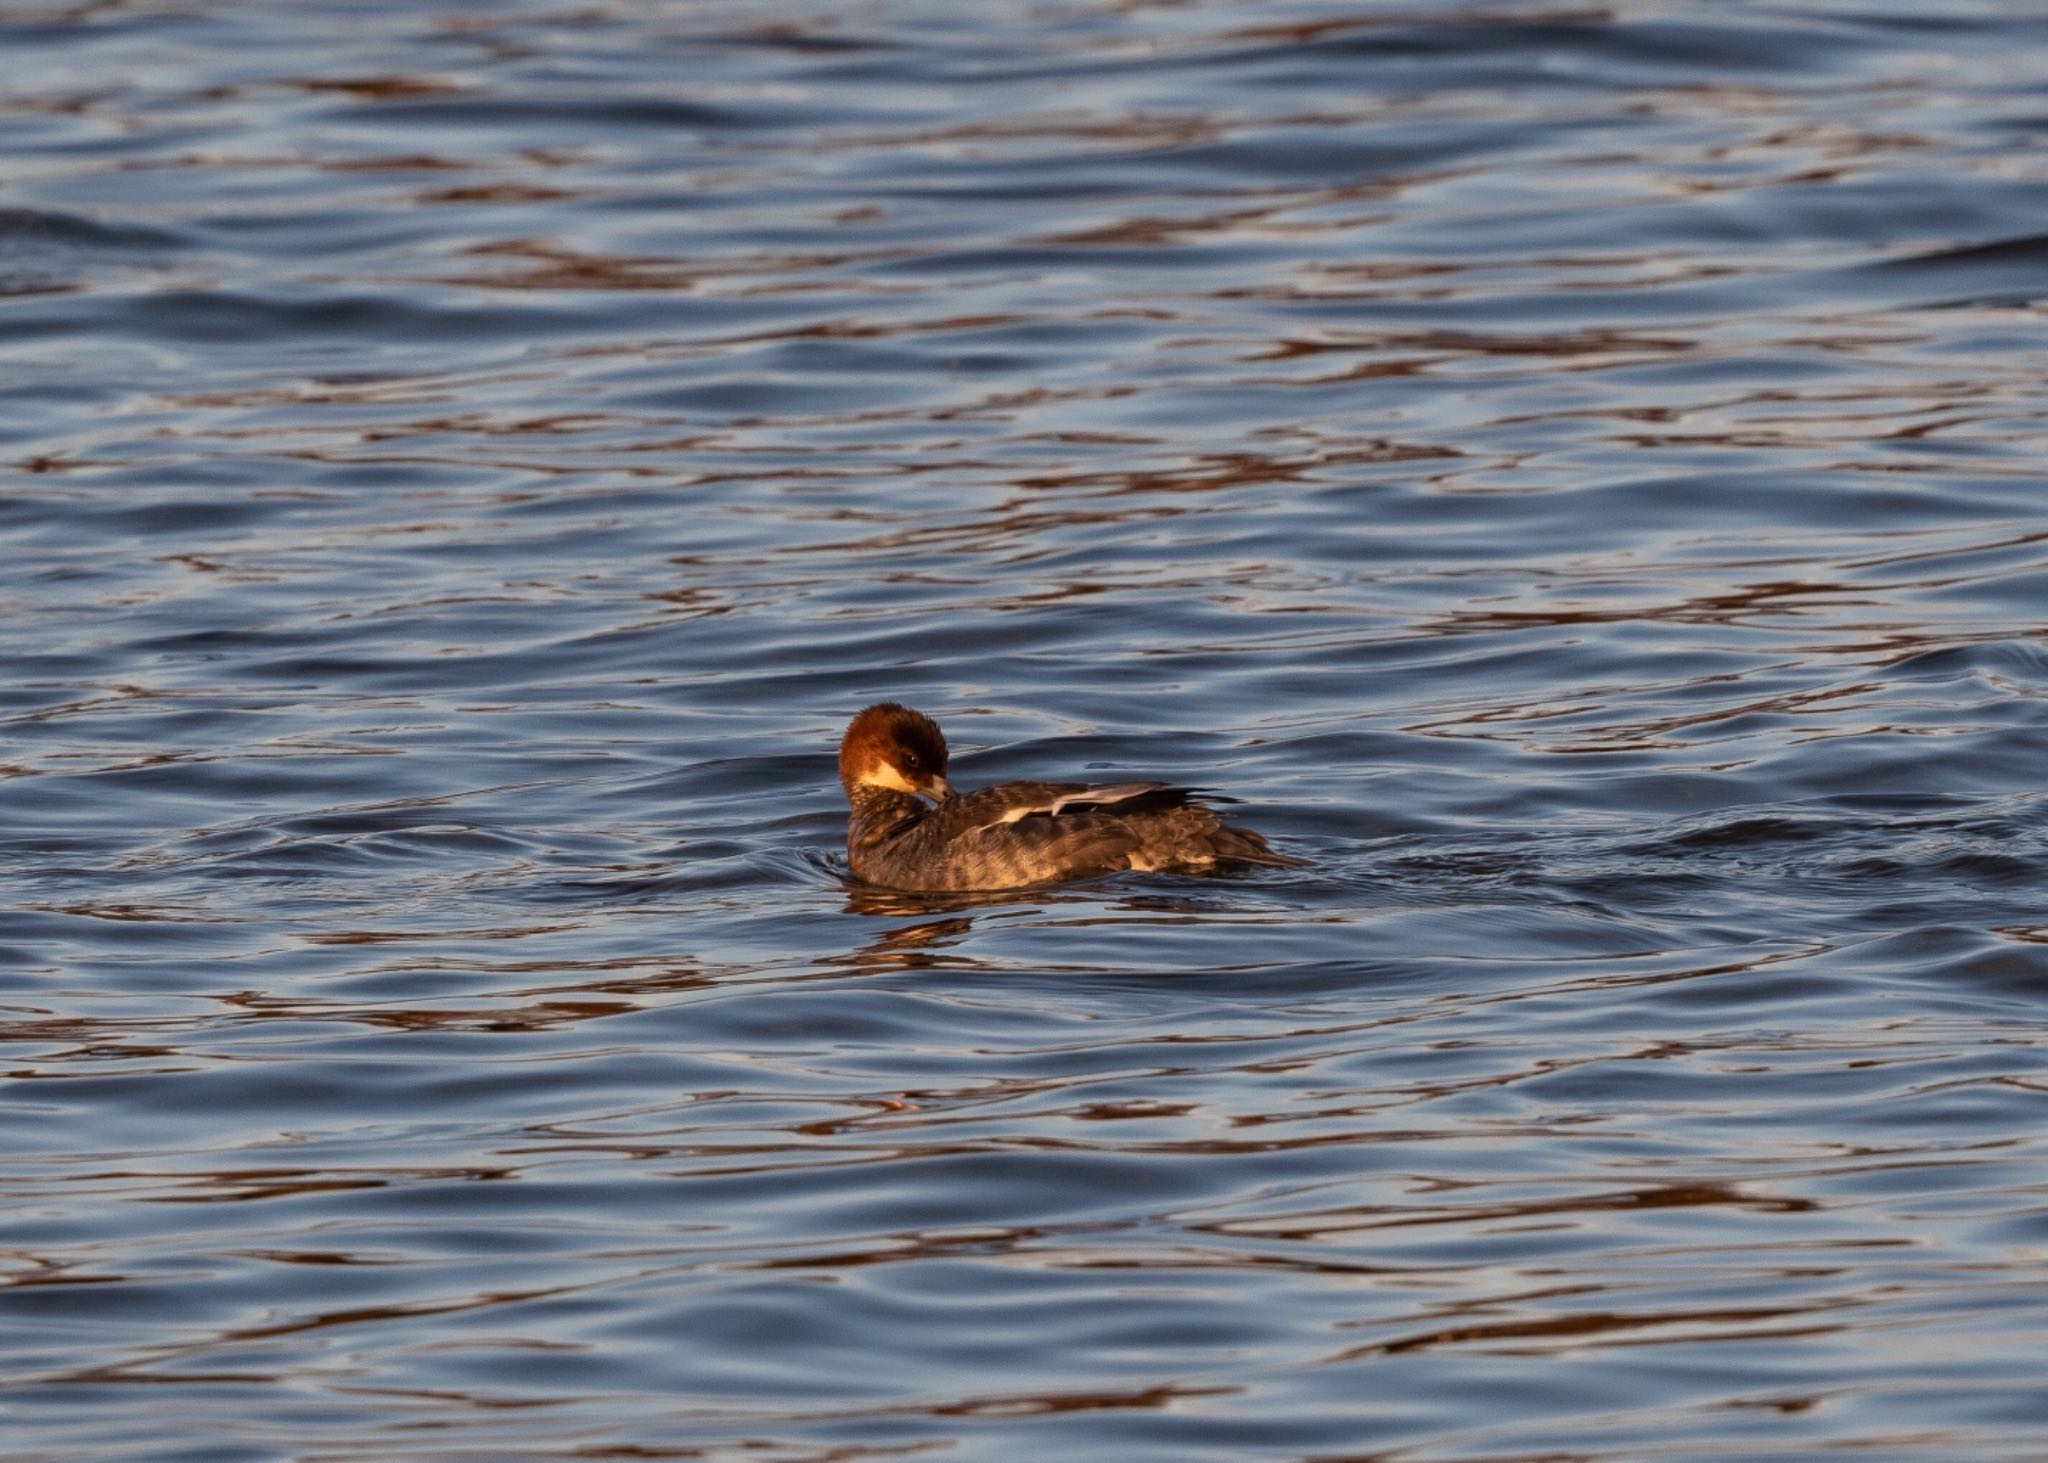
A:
(910, 830)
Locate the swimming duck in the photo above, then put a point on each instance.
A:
(1014, 834)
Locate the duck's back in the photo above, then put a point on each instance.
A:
(1022, 833)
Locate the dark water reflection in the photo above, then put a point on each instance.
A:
(1574, 473)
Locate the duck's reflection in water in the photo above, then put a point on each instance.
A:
(943, 923)
(925, 944)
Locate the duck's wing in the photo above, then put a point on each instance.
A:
(1017, 834)
(1012, 802)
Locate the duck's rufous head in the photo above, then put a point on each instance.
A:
(894, 747)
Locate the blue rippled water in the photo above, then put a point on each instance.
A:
(1575, 473)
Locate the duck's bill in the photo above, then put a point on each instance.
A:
(937, 789)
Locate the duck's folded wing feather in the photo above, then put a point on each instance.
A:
(1091, 797)
(1044, 848)
(1011, 802)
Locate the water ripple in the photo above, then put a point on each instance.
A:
(1571, 473)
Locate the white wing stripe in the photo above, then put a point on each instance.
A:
(1121, 792)
(1087, 797)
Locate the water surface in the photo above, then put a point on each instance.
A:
(1575, 473)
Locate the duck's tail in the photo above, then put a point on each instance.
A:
(1241, 845)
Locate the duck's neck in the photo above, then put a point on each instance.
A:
(879, 813)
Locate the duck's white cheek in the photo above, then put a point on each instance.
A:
(886, 774)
